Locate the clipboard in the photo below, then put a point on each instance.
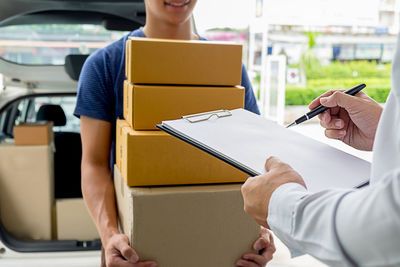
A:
(245, 140)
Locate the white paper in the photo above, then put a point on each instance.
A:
(250, 139)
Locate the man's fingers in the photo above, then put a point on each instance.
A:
(145, 264)
(261, 243)
(325, 116)
(272, 162)
(259, 259)
(315, 103)
(119, 262)
(338, 98)
(334, 124)
(335, 134)
(265, 232)
(127, 252)
(271, 243)
(245, 263)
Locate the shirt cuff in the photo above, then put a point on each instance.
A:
(281, 210)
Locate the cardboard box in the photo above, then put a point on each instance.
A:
(31, 134)
(27, 191)
(148, 105)
(186, 225)
(162, 61)
(149, 158)
(126, 94)
(74, 221)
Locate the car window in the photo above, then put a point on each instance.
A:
(48, 44)
(25, 111)
(22, 111)
(67, 103)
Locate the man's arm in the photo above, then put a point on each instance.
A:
(339, 227)
(358, 227)
(98, 192)
(97, 186)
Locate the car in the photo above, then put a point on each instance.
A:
(43, 45)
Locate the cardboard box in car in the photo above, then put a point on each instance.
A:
(27, 191)
(149, 105)
(74, 221)
(161, 61)
(184, 226)
(31, 134)
(151, 158)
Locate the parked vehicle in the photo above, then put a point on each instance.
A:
(43, 45)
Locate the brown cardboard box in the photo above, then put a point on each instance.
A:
(127, 91)
(26, 190)
(185, 226)
(31, 134)
(148, 158)
(149, 105)
(74, 221)
(161, 61)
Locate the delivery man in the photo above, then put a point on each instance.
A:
(99, 104)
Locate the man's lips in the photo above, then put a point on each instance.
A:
(177, 3)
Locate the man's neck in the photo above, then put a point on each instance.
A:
(158, 29)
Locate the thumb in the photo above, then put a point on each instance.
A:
(340, 99)
(263, 241)
(271, 163)
(260, 244)
(126, 251)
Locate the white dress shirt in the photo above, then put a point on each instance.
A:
(349, 227)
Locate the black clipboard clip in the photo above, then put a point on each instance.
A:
(207, 115)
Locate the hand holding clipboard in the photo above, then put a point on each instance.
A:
(244, 140)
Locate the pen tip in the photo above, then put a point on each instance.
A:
(290, 125)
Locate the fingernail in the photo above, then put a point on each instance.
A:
(134, 258)
(258, 247)
(324, 117)
(342, 133)
(245, 257)
(338, 124)
(323, 100)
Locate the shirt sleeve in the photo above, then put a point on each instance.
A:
(340, 227)
(95, 90)
(250, 102)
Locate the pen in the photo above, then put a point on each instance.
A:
(352, 91)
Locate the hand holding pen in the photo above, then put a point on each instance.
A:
(321, 108)
(351, 119)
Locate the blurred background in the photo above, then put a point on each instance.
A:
(295, 50)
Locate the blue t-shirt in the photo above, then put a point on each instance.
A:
(100, 86)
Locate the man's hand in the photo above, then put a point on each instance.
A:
(351, 119)
(118, 253)
(257, 191)
(265, 246)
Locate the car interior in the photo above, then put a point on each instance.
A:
(56, 104)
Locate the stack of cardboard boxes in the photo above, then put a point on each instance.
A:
(28, 209)
(26, 182)
(163, 208)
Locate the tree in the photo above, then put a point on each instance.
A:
(309, 61)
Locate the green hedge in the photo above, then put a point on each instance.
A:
(360, 69)
(339, 75)
(304, 96)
